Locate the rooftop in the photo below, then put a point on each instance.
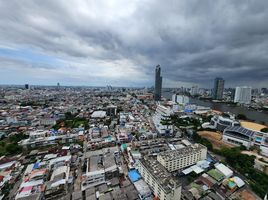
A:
(172, 154)
(161, 175)
(98, 114)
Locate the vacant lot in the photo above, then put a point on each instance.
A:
(215, 138)
(252, 125)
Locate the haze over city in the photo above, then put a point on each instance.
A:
(119, 43)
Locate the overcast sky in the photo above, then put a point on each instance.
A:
(119, 42)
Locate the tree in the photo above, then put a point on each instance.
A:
(13, 149)
(265, 130)
(241, 117)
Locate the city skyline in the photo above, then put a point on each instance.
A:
(99, 44)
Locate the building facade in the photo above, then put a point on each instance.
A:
(162, 113)
(163, 184)
(180, 99)
(158, 83)
(180, 158)
(218, 88)
(243, 95)
(220, 123)
(238, 135)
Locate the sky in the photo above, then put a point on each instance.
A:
(119, 42)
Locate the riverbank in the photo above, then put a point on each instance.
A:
(252, 115)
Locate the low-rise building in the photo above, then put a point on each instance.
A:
(238, 135)
(100, 168)
(220, 123)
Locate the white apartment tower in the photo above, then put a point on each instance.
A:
(243, 95)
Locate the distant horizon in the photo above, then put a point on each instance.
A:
(37, 85)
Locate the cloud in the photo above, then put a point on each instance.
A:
(119, 42)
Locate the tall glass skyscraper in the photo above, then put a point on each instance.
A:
(218, 88)
(158, 83)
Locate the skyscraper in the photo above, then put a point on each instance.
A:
(218, 88)
(158, 84)
(26, 86)
(243, 95)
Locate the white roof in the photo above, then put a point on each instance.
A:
(50, 156)
(186, 142)
(32, 183)
(58, 171)
(197, 169)
(187, 171)
(98, 114)
(57, 183)
(59, 159)
(7, 165)
(203, 164)
(239, 182)
(194, 168)
(227, 172)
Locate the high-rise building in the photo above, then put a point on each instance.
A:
(27, 86)
(194, 90)
(218, 88)
(158, 83)
(243, 95)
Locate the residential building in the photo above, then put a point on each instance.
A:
(158, 83)
(162, 113)
(243, 95)
(100, 168)
(95, 174)
(163, 184)
(218, 88)
(174, 160)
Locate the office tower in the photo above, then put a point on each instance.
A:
(243, 95)
(264, 90)
(158, 84)
(26, 86)
(194, 90)
(218, 88)
(232, 92)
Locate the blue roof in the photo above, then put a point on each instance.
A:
(134, 175)
(36, 165)
(188, 110)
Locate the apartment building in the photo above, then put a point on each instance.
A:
(174, 160)
(161, 114)
(163, 184)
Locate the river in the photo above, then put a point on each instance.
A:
(260, 117)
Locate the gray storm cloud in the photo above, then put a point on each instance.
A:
(120, 42)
